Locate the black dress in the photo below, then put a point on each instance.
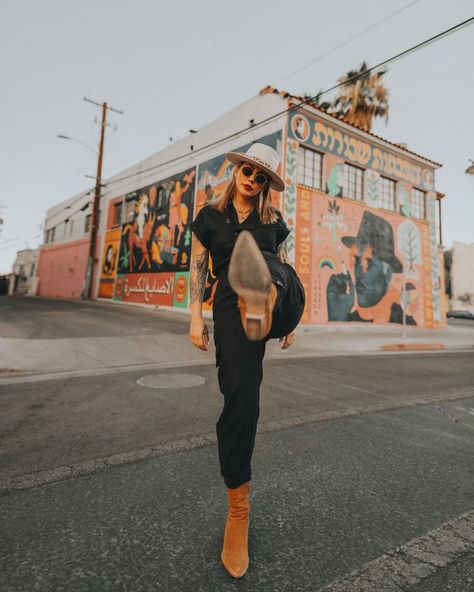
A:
(238, 359)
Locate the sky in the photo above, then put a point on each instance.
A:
(172, 65)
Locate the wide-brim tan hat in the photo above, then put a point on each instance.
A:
(265, 158)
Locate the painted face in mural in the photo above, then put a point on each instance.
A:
(372, 277)
(247, 180)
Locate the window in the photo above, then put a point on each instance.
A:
(32, 272)
(388, 193)
(87, 226)
(130, 200)
(65, 226)
(71, 226)
(418, 204)
(353, 182)
(117, 217)
(309, 167)
(50, 235)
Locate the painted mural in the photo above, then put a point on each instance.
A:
(155, 245)
(109, 263)
(213, 176)
(331, 139)
(361, 265)
(158, 237)
(289, 208)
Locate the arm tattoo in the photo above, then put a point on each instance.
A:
(282, 254)
(198, 275)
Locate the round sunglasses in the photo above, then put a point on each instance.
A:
(260, 178)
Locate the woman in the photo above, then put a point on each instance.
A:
(258, 297)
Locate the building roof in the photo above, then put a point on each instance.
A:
(286, 95)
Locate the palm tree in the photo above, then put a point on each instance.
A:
(362, 96)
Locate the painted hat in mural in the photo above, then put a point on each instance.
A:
(263, 156)
(378, 233)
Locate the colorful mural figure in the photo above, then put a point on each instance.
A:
(110, 258)
(335, 180)
(158, 238)
(404, 200)
(363, 290)
(109, 263)
(300, 127)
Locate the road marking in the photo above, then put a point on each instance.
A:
(409, 564)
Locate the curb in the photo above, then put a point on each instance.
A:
(408, 565)
(412, 346)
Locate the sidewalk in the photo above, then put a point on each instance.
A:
(29, 355)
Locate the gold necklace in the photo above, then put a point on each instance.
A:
(244, 211)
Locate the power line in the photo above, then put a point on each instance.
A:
(303, 102)
(339, 45)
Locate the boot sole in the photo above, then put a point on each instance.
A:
(250, 278)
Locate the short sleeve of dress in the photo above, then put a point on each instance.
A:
(201, 227)
(283, 230)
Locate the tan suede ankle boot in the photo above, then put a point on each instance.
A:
(250, 278)
(234, 554)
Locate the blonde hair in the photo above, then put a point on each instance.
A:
(261, 201)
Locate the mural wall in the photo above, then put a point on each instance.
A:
(331, 139)
(153, 244)
(146, 257)
(361, 265)
(357, 261)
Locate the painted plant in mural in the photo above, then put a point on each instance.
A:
(409, 245)
(158, 238)
(363, 291)
(361, 97)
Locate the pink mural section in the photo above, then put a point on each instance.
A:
(62, 269)
(361, 265)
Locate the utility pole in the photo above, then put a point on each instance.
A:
(87, 292)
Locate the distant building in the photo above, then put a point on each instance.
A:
(361, 208)
(23, 279)
(459, 263)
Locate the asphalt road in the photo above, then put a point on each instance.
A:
(326, 498)
(111, 485)
(48, 424)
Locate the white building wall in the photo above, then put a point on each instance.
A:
(462, 277)
(68, 219)
(24, 278)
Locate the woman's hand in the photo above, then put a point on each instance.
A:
(288, 340)
(198, 333)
